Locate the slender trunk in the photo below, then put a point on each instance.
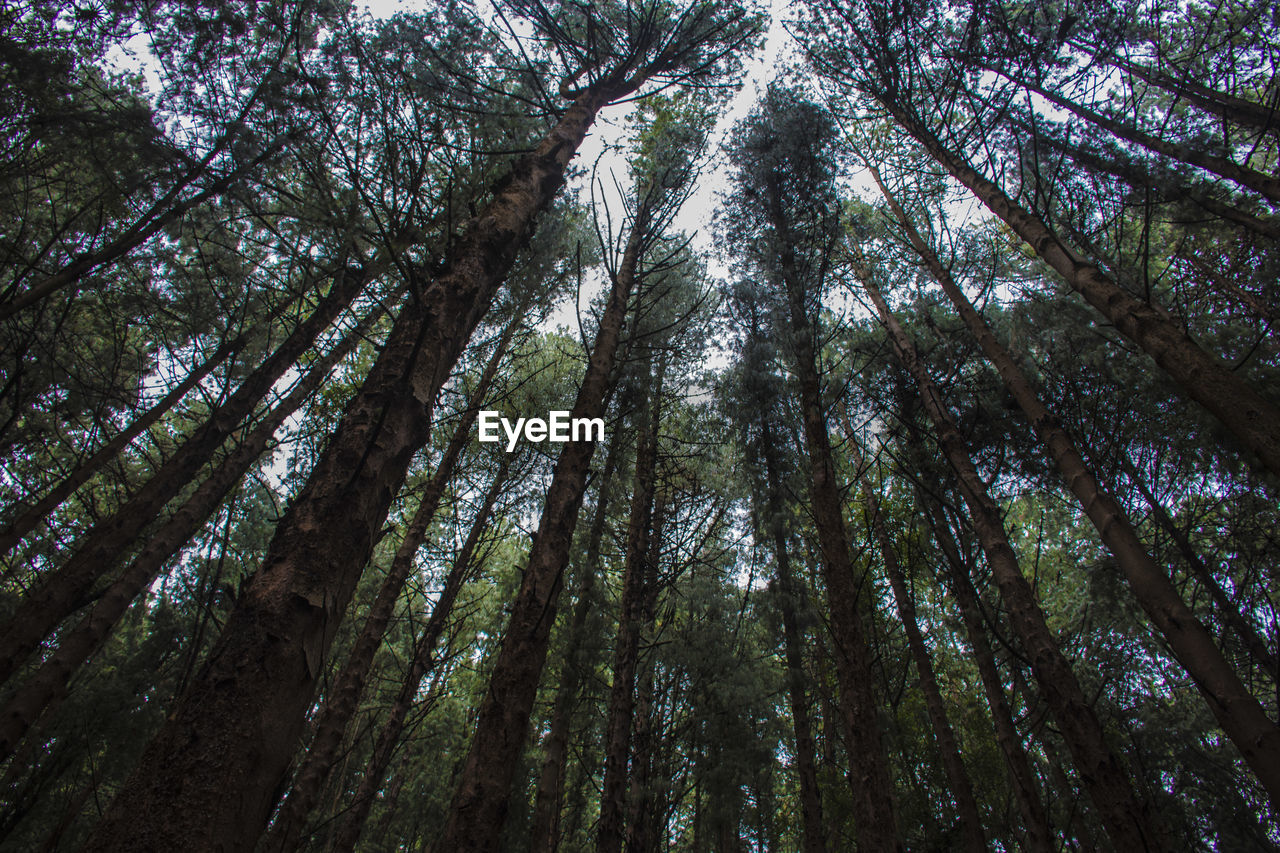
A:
(626, 651)
(640, 805)
(48, 685)
(869, 776)
(545, 836)
(14, 532)
(1168, 189)
(165, 211)
(1254, 420)
(479, 805)
(953, 765)
(813, 835)
(209, 778)
(1222, 104)
(1234, 707)
(1259, 182)
(1129, 820)
(424, 659)
(1038, 836)
(343, 698)
(1253, 641)
(66, 589)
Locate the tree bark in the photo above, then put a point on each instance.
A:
(545, 835)
(1131, 822)
(1234, 707)
(208, 779)
(48, 685)
(640, 800)
(343, 699)
(1254, 420)
(66, 589)
(479, 805)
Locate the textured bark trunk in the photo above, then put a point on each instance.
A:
(209, 778)
(626, 651)
(813, 835)
(66, 589)
(545, 836)
(1234, 707)
(875, 822)
(1130, 821)
(375, 771)
(344, 696)
(1038, 837)
(48, 685)
(479, 806)
(38, 511)
(1254, 420)
(953, 765)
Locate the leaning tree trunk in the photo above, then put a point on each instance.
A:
(66, 589)
(1254, 420)
(48, 685)
(465, 566)
(479, 805)
(869, 776)
(545, 835)
(343, 698)
(1130, 821)
(1235, 708)
(1038, 836)
(640, 528)
(952, 764)
(209, 778)
(1249, 637)
(14, 532)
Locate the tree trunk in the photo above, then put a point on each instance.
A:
(479, 806)
(26, 522)
(375, 771)
(873, 807)
(1254, 420)
(1234, 707)
(48, 685)
(626, 651)
(1259, 182)
(165, 211)
(209, 778)
(63, 591)
(1130, 821)
(1253, 642)
(1235, 109)
(957, 777)
(813, 834)
(640, 807)
(1038, 836)
(545, 835)
(343, 699)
